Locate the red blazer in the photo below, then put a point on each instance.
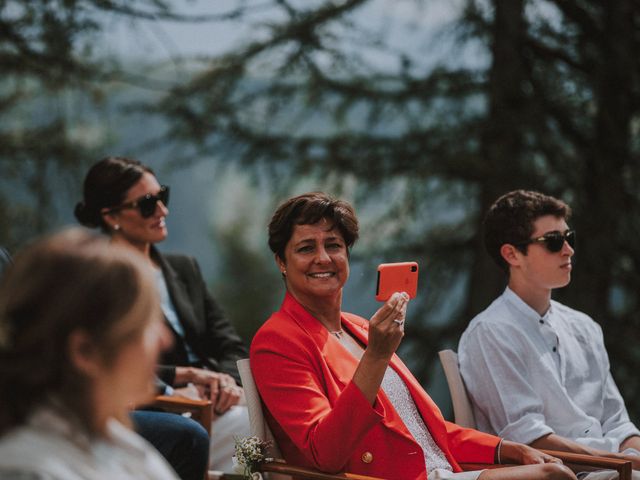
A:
(320, 417)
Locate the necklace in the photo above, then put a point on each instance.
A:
(337, 333)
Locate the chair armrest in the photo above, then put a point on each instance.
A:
(575, 461)
(467, 467)
(623, 467)
(307, 473)
(199, 410)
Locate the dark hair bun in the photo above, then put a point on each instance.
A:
(106, 185)
(85, 216)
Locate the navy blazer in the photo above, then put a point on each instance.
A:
(207, 330)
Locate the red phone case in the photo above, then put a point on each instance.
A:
(396, 277)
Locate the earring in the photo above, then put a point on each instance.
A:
(284, 272)
(116, 227)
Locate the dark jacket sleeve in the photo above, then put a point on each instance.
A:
(208, 331)
(166, 374)
(222, 341)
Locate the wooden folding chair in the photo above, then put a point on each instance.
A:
(278, 469)
(198, 410)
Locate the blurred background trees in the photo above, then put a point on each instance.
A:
(53, 102)
(41, 58)
(421, 113)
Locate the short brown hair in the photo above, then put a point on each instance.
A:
(307, 209)
(510, 220)
(70, 281)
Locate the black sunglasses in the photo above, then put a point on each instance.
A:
(147, 203)
(554, 241)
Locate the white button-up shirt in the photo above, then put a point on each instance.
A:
(51, 445)
(528, 376)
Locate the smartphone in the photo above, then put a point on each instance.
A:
(396, 277)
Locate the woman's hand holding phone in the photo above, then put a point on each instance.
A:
(386, 327)
(397, 283)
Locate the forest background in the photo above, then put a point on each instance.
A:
(420, 113)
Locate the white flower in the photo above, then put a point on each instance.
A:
(237, 468)
(250, 452)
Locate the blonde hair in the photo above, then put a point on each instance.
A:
(71, 281)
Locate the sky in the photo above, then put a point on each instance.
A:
(409, 25)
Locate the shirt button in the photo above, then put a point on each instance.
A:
(554, 349)
(367, 457)
(541, 322)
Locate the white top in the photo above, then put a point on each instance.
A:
(400, 397)
(50, 447)
(528, 376)
(170, 313)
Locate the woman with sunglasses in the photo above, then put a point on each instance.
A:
(124, 199)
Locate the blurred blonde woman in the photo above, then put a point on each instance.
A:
(80, 334)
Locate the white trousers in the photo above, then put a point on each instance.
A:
(224, 429)
(472, 475)
(610, 474)
(440, 474)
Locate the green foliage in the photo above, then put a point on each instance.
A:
(52, 115)
(510, 94)
(551, 108)
(248, 286)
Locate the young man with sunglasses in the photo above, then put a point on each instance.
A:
(537, 371)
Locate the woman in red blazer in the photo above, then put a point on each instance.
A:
(337, 397)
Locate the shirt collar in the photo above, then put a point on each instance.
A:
(527, 312)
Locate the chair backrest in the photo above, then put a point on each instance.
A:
(463, 414)
(257, 422)
(260, 429)
(462, 410)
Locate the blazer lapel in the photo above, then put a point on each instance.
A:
(426, 406)
(428, 409)
(178, 293)
(342, 363)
